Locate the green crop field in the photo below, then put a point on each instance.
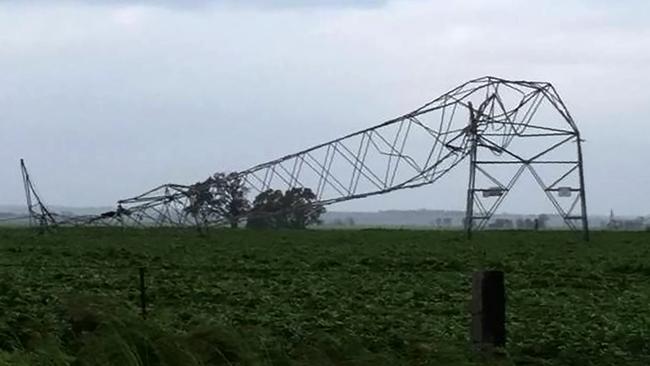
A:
(367, 297)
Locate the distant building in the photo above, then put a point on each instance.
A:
(614, 223)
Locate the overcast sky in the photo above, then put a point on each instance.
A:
(106, 99)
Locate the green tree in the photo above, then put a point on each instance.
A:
(230, 193)
(295, 208)
(221, 196)
(200, 200)
(543, 220)
(265, 213)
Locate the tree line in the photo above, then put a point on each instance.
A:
(224, 195)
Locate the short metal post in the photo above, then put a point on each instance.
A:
(488, 328)
(143, 295)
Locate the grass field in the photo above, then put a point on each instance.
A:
(368, 297)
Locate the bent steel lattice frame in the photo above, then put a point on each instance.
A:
(414, 150)
(552, 139)
(41, 216)
(165, 205)
(38, 213)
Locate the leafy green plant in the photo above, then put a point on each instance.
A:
(285, 297)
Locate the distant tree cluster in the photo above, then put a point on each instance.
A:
(348, 221)
(223, 196)
(538, 223)
(443, 222)
(505, 224)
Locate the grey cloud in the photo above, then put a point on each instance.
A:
(163, 96)
(263, 4)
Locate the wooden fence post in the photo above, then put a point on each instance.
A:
(488, 328)
(143, 295)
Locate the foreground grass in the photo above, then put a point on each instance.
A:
(370, 297)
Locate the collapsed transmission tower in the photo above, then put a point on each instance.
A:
(37, 212)
(503, 127)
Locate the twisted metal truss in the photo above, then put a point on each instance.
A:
(520, 125)
(166, 205)
(38, 213)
